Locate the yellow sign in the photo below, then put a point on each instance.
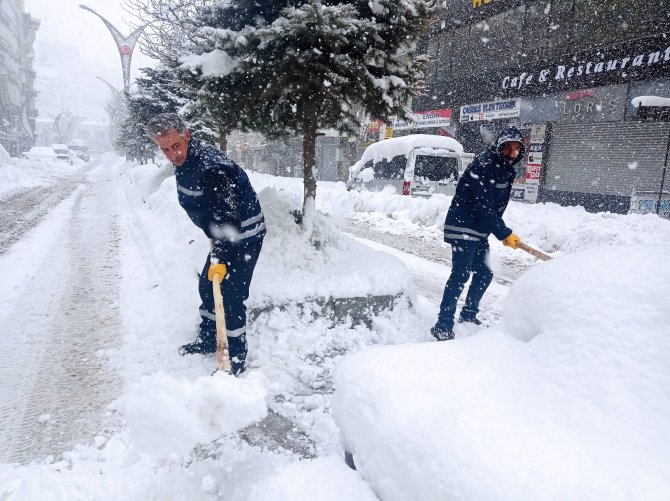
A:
(388, 132)
(478, 3)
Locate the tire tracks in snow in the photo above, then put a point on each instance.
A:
(430, 250)
(55, 379)
(25, 210)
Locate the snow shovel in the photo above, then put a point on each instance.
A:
(534, 252)
(222, 357)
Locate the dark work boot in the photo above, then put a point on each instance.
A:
(237, 347)
(470, 320)
(198, 347)
(237, 365)
(442, 334)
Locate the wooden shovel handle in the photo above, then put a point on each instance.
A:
(538, 254)
(222, 356)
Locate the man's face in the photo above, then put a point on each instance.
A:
(174, 145)
(510, 150)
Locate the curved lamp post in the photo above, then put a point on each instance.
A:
(124, 44)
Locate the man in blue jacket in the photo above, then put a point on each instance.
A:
(476, 211)
(217, 195)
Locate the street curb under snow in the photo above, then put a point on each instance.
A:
(357, 310)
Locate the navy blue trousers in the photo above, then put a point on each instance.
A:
(467, 257)
(240, 264)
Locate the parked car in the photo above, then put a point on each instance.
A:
(40, 154)
(62, 153)
(79, 149)
(417, 165)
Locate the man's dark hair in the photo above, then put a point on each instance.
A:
(164, 123)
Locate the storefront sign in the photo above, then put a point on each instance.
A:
(373, 131)
(601, 104)
(433, 118)
(646, 202)
(490, 111)
(479, 3)
(425, 119)
(527, 187)
(601, 62)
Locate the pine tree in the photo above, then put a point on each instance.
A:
(284, 67)
(160, 90)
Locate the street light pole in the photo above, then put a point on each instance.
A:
(665, 168)
(124, 44)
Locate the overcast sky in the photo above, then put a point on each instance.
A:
(72, 48)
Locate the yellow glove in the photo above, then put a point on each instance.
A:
(216, 269)
(512, 241)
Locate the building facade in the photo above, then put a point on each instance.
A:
(587, 81)
(66, 127)
(17, 76)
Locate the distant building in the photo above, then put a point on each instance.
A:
(95, 133)
(17, 76)
(587, 81)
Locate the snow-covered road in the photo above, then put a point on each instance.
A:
(24, 210)
(58, 314)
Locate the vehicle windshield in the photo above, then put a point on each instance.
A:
(436, 168)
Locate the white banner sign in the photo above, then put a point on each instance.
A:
(490, 111)
(425, 119)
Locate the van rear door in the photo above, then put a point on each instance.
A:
(436, 173)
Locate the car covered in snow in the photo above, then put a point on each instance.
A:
(40, 154)
(417, 165)
(79, 149)
(62, 152)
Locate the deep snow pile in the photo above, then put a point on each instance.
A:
(567, 398)
(18, 174)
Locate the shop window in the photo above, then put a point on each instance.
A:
(4, 90)
(645, 20)
(559, 29)
(444, 58)
(536, 26)
(432, 51)
(599, 22)
(463, 50)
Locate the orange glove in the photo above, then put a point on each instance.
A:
(217, 269)
(512, 241)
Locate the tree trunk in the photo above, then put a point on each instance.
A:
(223, 139)
(309, 155)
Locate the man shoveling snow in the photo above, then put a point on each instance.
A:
(218, 197)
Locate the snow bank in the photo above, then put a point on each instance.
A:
(295, 266)
(169, 415)
(566, 399)
(295, 482)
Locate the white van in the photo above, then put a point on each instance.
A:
(417, 165)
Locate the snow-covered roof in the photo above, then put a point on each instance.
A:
(650, 101)
(389, 148)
